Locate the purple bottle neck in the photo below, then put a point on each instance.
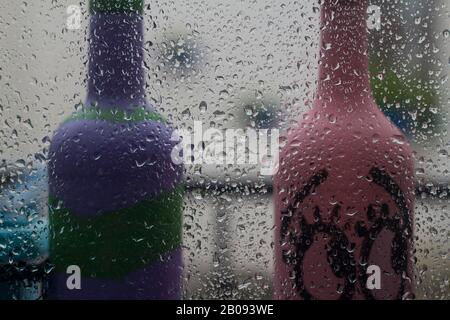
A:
(116, 75)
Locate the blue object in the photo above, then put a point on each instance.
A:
(23, 234)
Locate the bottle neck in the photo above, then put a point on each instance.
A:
(116, 78)
(344, 63)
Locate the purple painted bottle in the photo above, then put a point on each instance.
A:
(115, 194)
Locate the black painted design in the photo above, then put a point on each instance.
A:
(399, 224)
(340, 258)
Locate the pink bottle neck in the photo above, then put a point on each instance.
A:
(344, 63)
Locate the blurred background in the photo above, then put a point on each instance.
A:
(230, 64)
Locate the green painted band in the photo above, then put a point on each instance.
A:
(115, 115)
(117, 6)
(116, 243)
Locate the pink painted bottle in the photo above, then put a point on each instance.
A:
(345, 186)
